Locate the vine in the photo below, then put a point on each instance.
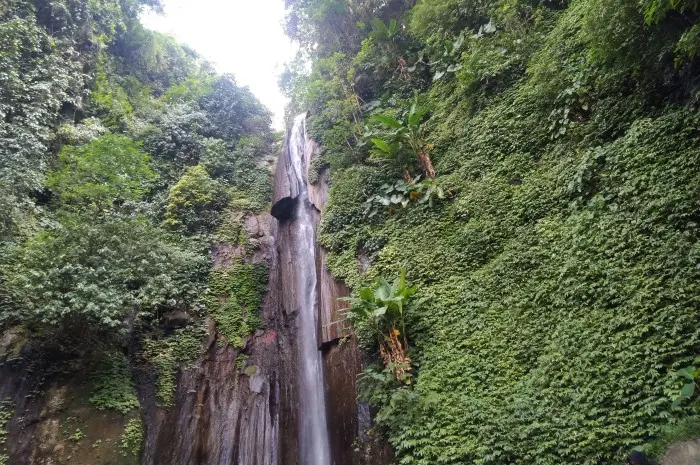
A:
(5, 415)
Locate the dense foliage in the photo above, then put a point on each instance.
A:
(562, 261)
(123, 158)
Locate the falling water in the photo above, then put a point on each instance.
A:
(313, 435)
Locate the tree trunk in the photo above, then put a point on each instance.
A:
(426, 163)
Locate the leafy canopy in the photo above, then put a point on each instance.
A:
(100, 271)
(109, 170)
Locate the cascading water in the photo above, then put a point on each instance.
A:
(314, 445)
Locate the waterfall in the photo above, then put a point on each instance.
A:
(314, 445)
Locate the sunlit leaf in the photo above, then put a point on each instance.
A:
(388, 121)
(382, 145)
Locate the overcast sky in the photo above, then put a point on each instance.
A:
(243, 37)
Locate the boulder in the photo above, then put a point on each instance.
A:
(176, 319)
(683, 453)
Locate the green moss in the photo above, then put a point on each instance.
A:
(315, 167)
(562, 276)
(71, 429)
(108, 97)
(545, 293)
(111, 385)
(241, 361)
(77, 435)
(231, 229)
(234, 299)
(195, 201)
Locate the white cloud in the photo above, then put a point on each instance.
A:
(243, 37)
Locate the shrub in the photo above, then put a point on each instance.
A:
(131, 440)
(194, 202)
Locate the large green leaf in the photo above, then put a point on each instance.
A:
(379, 29)
(382, 145)
(416, 116)
(392, 26)
(380, 311)
(688, 390)
(401, 280)
(388, 121)
(367, 294)
(687, 373)
(383, 290)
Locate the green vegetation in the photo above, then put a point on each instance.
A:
(683, 430)
(194, 201)
(120, 149)
(380, 311)
(99, 272)
(77, 435)
(545, 155)
(241, 361)
(234, 299)
(5, 415)
(109, 170)
(405, 135)
(181, 349)
(112, 387)
(70, 427)
(561, 266)
(131, 439)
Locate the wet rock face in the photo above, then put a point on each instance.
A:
(342, 364)
(224, 412)
(285, 180)
(333, 321)
(235, 406)
(341, 356)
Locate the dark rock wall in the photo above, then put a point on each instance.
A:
(52, 421)
(222, 414)
(227, 413)
(342, 364)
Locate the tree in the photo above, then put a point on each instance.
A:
(194, 202)
(37, 77)
(107, 171)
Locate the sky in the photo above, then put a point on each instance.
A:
(242, 37)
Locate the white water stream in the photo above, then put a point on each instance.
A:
(314, 446)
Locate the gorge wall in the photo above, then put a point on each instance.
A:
(232, 406)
